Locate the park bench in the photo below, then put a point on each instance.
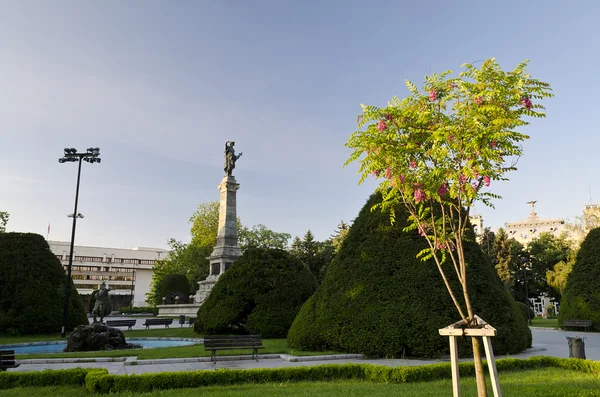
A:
(232, 342)
(191, 321)
(585, 324)
(121, 323)
(7, 360)
(158, 321)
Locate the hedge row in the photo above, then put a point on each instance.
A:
(99, 381)
(63, 377)
(139, 310)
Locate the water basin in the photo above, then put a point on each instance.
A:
(58, 346)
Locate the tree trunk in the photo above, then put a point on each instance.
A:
(479, 372)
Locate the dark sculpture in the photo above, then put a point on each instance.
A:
(173, 298)
(230, 157)
(102, 305)
(96, 337)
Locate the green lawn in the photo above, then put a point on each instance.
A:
(546, 323)
(530, 383)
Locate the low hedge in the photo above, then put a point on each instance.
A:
(139, 310)
(63, 377)
(99, 381)
(105, 383)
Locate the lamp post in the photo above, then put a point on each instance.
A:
(71, 156)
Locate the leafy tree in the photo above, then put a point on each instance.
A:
(379, 300)
(441, 148)
(508, 254)
(557, 277)
(581, 300)
(205, 224)
(3, 220)
(185, 259)
(262, 237)
(260, 293)
(337, 238)
(316, 255)
(545, 252)
(32, 288)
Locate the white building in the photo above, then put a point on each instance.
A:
(126, 272)
(530, 228)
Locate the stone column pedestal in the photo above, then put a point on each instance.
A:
(227, 250)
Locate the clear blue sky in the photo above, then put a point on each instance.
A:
(160, 86)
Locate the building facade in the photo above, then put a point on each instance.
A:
(126, 272)
(530, 228)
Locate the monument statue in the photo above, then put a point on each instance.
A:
(230, 157)
(102, 304)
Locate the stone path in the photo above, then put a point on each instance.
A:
(546, 342)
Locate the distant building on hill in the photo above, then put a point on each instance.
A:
(530, 228)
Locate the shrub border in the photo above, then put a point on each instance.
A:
(100, 381)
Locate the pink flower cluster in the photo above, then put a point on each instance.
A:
(494, 144)
(420, 195)
(462, 178)
(422, 231)
(486, 180)
(412, 163)
(388, 173)
(439, 245)
(432, 95)
(526, 102)
(381, 126)
(443, 189)
(388, 117)
(479, 100)
(375, 173)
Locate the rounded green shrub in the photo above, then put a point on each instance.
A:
(378, 299)
(32, 288)
(581, 299)
(261, 293)
(173, 283)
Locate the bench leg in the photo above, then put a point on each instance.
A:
(255, 352)
(213, 357)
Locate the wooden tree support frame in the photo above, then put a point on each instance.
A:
(485, 331)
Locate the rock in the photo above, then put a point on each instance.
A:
(97, 336)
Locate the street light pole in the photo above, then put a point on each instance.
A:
(524, 260)
(71, 155)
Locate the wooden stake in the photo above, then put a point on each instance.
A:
(454, 365)
(491, 362)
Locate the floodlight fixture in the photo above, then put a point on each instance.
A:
(71, 156)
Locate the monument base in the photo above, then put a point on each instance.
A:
(204, 288)
(182, 309)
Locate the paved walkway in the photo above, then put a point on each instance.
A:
(546, 342)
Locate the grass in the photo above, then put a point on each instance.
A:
(545, 323)
(529, 383)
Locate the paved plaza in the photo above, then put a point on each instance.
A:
(546, 342)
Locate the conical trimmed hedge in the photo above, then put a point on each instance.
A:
(581, 299)
(32, 288)
(261, 293)
(379, 300)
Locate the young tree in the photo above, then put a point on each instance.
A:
(438, 151)
(337, 238)
(3, 220)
